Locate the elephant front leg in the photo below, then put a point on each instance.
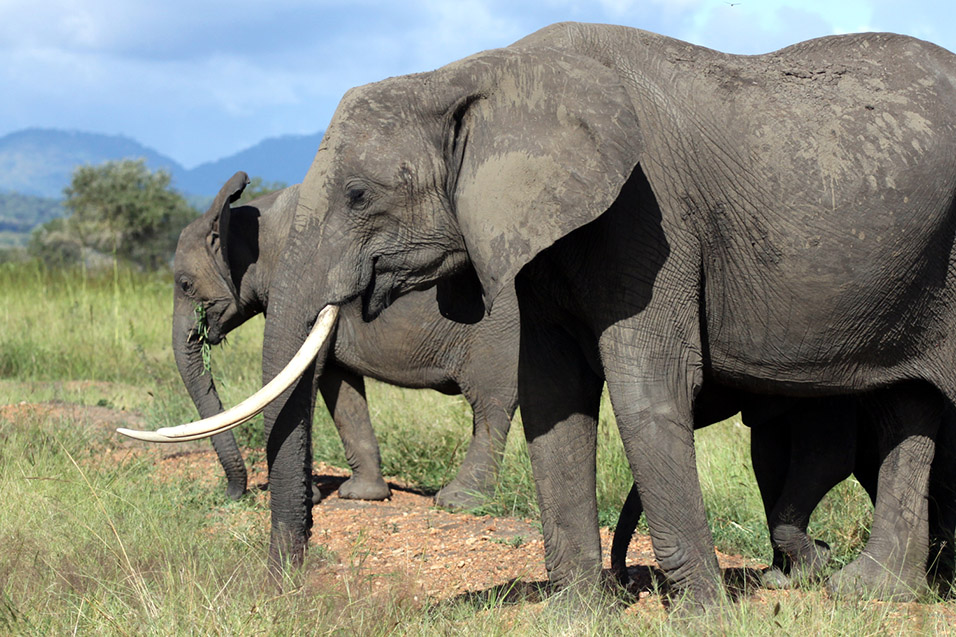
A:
(344, 395)
(478, 474)
(560, 397)
(289, 456)
(655, 419)
(893, 563)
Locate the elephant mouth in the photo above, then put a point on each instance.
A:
(379, 292)
(385, 284)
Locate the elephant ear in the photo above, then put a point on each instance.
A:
(219, 218)
(539, 147)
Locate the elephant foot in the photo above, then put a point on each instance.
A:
(357, 488)
(775, 579)
(807, 558)
(459, 497)
(809, 566)
(864, 577)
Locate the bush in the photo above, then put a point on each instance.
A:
(119, 209)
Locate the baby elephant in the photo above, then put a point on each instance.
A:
(803, 447)
(224, 264)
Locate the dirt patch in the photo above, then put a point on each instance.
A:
(92, 415)
(441, 554)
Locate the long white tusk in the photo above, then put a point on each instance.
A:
(247, 409)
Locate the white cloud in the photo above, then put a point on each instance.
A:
(198, 80)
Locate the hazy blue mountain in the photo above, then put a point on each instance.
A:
(20, 213)
(284, 159)
(40, 162)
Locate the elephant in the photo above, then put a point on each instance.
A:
(225, 263)
(801, 448)
(780, 223)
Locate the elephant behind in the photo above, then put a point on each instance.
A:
(801, 448)
(225, 263)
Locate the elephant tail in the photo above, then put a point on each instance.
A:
(623, 532)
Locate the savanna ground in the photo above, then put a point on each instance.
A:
(104, 535)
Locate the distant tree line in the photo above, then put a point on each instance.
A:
(20, 213)
(119, 210)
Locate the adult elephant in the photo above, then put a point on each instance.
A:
(226, 262)
(780, 223)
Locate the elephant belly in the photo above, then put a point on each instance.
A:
(815, 337)
(402, 347)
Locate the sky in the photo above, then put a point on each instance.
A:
(198, 80)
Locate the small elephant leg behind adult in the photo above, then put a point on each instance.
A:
(820, 437)
(478, 475)
(627, 521)
(893, 563)
(344, 395)
(942, 506)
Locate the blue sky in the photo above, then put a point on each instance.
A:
(201, 79)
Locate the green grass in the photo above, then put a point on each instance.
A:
(93, 543)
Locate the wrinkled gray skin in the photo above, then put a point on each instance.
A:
(780, 223)
(801, 448)
(225, 261)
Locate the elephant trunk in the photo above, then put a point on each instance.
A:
(187, 349)
(312, 259)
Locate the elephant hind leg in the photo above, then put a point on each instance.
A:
(893, 563)
(344, 395)
(478, 475)
(942, 506)
(818, 437)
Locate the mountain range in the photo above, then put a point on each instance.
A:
(40, 162)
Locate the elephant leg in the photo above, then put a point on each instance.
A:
(344, 395)
(623, 532)
(289, 457)
(821, 437)
(942, 506)
(478, 474)
(560, 396)
(770, 456)
(230, 457)
(893, 563)
(659, 442)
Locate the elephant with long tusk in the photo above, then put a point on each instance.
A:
(253, 405)
(665, 213)
(225, 264)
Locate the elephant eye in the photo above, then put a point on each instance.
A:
(357, 197)
(186, 286)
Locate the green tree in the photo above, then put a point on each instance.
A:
(119, 209)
